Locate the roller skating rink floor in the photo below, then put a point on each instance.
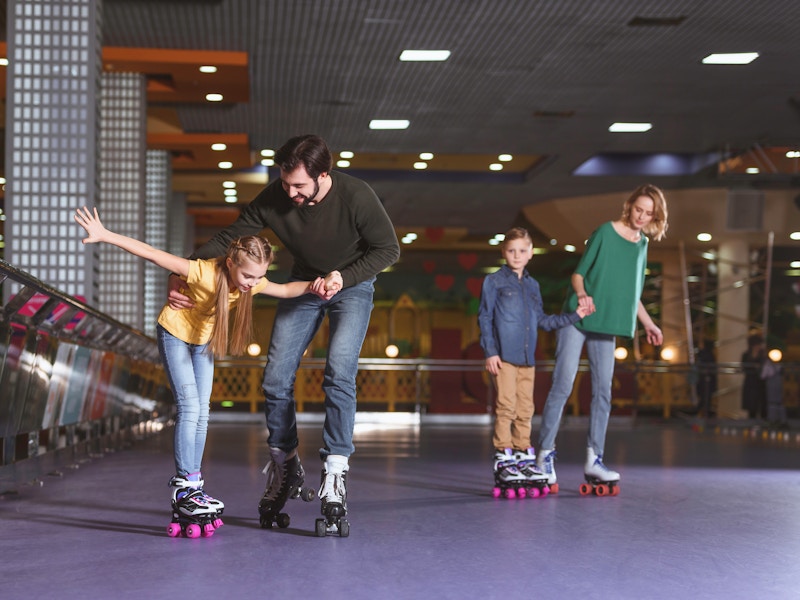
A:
(700, 515)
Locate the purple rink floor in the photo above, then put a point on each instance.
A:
(700, 515)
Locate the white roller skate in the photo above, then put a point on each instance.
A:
(508, 481)
(285, 478)
(333, 493)
(600, 480)
(535, 480)
(546, 464)
(192, 514)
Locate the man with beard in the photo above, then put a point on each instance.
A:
(336, 228)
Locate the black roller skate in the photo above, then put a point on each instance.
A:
(285, 478)
(333, 493)
(192, 513)
(535, 480)
(508, 481)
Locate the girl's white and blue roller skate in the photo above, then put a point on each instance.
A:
(194, 513)
(508, 481)
(535, 480)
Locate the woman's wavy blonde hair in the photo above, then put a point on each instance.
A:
(657, 228)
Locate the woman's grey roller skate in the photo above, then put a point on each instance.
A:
(535, 480)
(600, 480)
(508, 481)
(192, 513)
(285, 478)
(333, 493)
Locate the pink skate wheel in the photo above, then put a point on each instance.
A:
(510, 493)
(496, 492)
(193, 531)
(173, 530)
(521, 493)
(534, 493)
(545, 491)
(217, 523)
(208, 530)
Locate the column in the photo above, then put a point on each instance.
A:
(733, 301)
(123, 147)
(158, 193)
(53, 82)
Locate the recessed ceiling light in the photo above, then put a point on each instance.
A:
(752, 170)
(494, 242)
(219, 147)
(214, 97)
(735, 58)
(420, 165)
(569, 247)
(230, 192)
(426, 155)
(703, 237)
(495, 167)
(346, 154)
(342, 163)
(505, 158)
(630, 127)
(225, 164)
(793, 154)
(795, 235)
(229, 184)
(268, 162)
(424, 55)
(208, 69)
(268, 153)
(795, 264)
(389, 124)
(4, 62)
(231, 199)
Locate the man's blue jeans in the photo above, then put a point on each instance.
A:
(600, 351)
(190, 370)
(296, 322)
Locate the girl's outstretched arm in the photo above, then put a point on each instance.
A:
(96, 232)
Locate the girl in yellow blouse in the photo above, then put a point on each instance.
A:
(188, 340)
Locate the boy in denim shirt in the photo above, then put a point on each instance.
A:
(510, 314)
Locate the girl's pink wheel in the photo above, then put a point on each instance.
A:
(193, 531)
(545, 491)
(173, 530)
(521, 493)
(534, 493)
(510, 493)
(217, 523)
(208, 530)
(496, 492)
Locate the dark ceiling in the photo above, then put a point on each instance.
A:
(541, 79)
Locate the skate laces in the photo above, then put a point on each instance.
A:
(275, 480)
(598, 462)
(332, 488)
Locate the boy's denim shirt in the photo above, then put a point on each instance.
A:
(510, 314)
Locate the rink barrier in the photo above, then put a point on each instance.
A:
(74, 383)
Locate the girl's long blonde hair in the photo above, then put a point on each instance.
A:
(250, 248)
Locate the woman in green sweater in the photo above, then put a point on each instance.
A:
(611, 274)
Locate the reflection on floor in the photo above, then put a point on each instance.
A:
(700, 515)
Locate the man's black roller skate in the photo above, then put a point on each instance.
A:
(192, 513)
(333, 493)
(285, 478)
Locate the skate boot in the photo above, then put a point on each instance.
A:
(546, 464)
(215, 503)
(535, 480)
(192, 515)
(600, 480)
(333, 493)
(508, 481)
(285, 478)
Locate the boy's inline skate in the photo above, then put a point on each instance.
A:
(545, 462)
(535, 480)
(285, 478)
(194, 513)
(508, 481)
(333, 493)
(600, 480)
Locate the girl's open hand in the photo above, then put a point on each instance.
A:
(90, 221)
